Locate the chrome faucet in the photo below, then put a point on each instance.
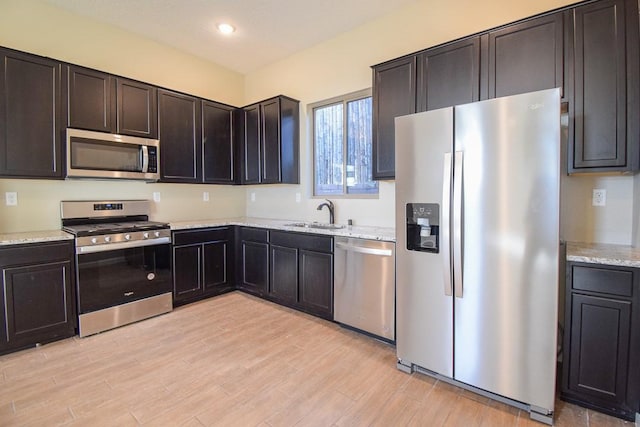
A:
(329, 205)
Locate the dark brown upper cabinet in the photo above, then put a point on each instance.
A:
(525, 57)
(270, 148)
(106, 103)
(394, 94)
(605, 131)
(218, 147)
(90, 95)
(449, 75)
(180, 135)
(32, 116)
(136, 108)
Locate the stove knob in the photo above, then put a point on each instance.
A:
(157, 234)
(107, 239)
(94, 240)
(127, 237)
(145, 235)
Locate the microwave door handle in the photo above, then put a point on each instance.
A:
(145, 159)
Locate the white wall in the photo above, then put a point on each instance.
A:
(342, 65)
(42, 29)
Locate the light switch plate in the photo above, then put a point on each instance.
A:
(11, 198)
(253, 197)
(156, 196)
(205, 196)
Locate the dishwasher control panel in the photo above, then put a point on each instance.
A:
(423, 226)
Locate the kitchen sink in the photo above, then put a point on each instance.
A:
(316, 225)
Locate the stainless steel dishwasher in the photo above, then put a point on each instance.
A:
(364, 285)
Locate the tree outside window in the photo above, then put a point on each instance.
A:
(342, 146)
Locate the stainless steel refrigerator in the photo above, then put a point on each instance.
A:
(477, 225)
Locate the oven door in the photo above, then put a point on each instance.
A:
(114, 277)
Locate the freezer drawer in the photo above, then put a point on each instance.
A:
(364, 285)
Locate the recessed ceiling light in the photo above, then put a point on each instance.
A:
(226, 28)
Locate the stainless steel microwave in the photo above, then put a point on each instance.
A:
(102, 155)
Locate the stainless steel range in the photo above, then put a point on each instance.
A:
(123, 262)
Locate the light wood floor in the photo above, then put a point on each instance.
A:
(236, 360)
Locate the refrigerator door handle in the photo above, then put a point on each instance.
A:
(445, 244)
(457, 223)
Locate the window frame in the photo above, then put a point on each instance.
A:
(344, 100)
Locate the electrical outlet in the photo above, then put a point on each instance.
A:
(253, 197)
(156, 196)
(11, 198)
(298, 197)
(599, 197)
(205, 196)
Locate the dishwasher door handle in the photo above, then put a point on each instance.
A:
(364, 250)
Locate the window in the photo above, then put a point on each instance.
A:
(342, 146)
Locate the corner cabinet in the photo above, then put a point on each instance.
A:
(106, 103)
(203, 263)
(253, 260)
(605, 131)
(602, 338)
(32, 116)
(270, 142)
(38, 294)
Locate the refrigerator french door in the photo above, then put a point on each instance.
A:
(477, 224)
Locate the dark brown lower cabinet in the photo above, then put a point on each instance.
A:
(302, 272)
(253, 260)
(202, 263)
(38, 297)
(602, 339)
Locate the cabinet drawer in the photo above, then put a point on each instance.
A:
(302, 241)
(601, 279)
(254, 234)
(200, 235)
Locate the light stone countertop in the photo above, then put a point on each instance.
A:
(601, 253)
(8, 239)
(360, 232)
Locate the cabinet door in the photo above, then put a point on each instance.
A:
(316, 283)
(38, 303)
(270, 141)
(600, 333)
(217, 143)
(91, 96)
(603, 100)
(284, 274)
(449, 75)
(136, 109)
(255, 266)
(526, 57)
(186, 272)
(179, 134)
(394, 94)
(215, 265)
(32, 116)
(251, 147)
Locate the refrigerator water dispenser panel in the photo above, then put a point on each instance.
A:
(423, 224)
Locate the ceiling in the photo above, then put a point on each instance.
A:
(267, 30)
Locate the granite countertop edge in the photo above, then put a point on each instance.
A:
(604, 253)
(360, 232)
(8, 239)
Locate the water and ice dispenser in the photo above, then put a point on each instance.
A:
(423, 225)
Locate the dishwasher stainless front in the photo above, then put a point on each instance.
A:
(364, 285)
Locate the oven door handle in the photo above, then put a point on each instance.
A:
(121, 245)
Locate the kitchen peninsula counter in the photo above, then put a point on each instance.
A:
(601, 253)
(360, 232)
